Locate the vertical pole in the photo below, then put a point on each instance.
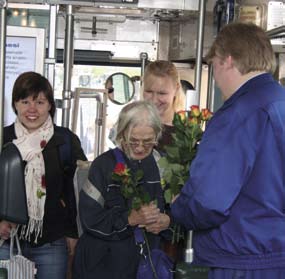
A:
(3, 10)
(143, 57)
(104, 119)
(68, 64)
(198, 70)
(51, 44)
(199, 47)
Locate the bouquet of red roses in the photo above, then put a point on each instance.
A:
(182, 150)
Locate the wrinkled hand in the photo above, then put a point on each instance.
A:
(5, 229)
(161, 224)
(71, 244)
(146, 215)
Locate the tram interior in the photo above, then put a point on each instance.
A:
(85, 42)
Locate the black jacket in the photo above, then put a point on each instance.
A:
(60, 207)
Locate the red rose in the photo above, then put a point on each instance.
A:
(120, 169)
(206, 114)
(182, 114)
(193, 120)
(195, 111)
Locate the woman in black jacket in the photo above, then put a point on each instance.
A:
(50, 154)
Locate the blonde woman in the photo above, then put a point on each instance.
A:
(161, 86)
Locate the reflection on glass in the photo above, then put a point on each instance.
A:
(120, 88)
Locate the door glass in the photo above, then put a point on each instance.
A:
(94, 77)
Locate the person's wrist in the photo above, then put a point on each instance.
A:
(131, 221)
(165, 220)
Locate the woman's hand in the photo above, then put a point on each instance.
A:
(161, 224)
(5, 229)
(146, 215)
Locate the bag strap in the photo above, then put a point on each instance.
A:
(141, 239)
(14, 236)
(65, 150)
(119, 156)
(139, 236)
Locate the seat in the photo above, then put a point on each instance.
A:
(80, 177)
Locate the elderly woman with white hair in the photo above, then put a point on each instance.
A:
(107, 248)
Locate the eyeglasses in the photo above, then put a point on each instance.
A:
(144, 143)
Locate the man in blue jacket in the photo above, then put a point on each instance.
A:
(234, 199)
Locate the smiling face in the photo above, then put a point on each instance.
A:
(138, 144)
(33, 111)
(161, 91)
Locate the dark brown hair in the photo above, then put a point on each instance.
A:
(32, 84)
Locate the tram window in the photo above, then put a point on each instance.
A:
(94, 77)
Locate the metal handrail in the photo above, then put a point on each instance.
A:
(100, 120)
(276, 32)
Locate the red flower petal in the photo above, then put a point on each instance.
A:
(43, 143)
(120, 168)
(43, 181)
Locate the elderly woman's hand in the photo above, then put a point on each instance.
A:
(161, 224)
(147, 214)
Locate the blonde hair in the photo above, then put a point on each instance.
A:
(163, 68)
(136, 113)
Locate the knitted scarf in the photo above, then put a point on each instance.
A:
(31, 146)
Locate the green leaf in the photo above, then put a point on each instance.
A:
(40, 194)
(139, 174)
(146, 198)
(172, 151)
(162, 162)
(176, 167)
(136, 203)
(168, 196)
(116, 177)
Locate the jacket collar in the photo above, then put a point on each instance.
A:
(246, 88)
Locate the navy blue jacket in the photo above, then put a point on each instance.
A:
(107, 248)
(234, 199)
